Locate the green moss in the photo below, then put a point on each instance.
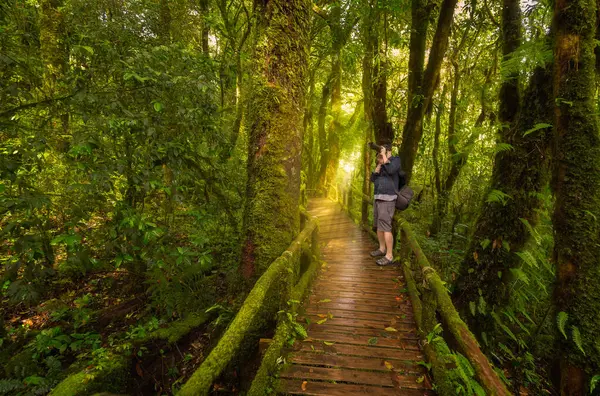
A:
(178, 329)
(110, 375)
(22, 365)
(269, 294)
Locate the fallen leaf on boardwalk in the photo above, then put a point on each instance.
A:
(328, 343)
(388, 365)
(390, 329)
(326, 300)
(372, 341)
(330, 315)
(321, 321)
(420, 379)
(304, 385)
(322, 315)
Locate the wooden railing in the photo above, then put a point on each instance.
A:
(287, 278)
(429, 298)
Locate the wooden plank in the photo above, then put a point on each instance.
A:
(368, 323)
(294, 387)
(355, 286)
(358, 350)
(390, 379)
(352, 362)
(363, 299)
(363, 331)
(320, 336)
(345, 313)
(359, 307)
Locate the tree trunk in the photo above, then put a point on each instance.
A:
(382, 129)
(369, 40)
(323, 145)
(204, 8)
(576, 185)
(412, 132)
(521, 173)
(274, 119)
(55, 56)
(420, 14)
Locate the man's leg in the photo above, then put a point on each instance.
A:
(389, 244)
(382, 240)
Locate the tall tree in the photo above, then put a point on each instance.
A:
(520, 173)
(274, 119)
(576, 184)
(340, 25)
(412, 132)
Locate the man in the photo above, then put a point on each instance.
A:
(386, 179)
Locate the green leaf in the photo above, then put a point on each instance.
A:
(594, 382)
(328, 343)
(372, 341)
(158, 106)
(577, 338)
(498, 196)
(561, 320)
(485, 243)
(325, 300)
(537, 127)
(300, 330)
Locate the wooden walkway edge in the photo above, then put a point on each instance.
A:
(361, 333)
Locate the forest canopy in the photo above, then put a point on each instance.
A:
(157, 156)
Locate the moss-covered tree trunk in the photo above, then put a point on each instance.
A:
(576, 184)
(411, 134)
(519, 175)
(369, 40)
(274, 119)
(323, 144)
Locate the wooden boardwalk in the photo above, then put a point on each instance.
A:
(361, 336)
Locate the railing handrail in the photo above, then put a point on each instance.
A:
(231, 341)
(488, 378)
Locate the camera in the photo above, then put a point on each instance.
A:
(377, 148)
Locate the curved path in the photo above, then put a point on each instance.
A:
(361, 334)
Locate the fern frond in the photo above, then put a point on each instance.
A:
(498, 196)
(577, 338)
(561, 320)
(502, 147)
(595, 381)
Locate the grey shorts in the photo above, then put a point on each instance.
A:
(383, 213)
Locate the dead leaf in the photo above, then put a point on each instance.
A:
(322, 315)
(304, 385)
(328, 343)
(388, 365)
(138, 370)
(475, 256)
(390, 329)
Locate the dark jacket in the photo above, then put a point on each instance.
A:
(389, 179)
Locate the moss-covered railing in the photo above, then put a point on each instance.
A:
(429, 299)
(287, 278)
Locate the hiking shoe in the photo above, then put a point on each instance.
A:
(384, 261)
(377, 253)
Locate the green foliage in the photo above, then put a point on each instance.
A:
(498, 196)
(561, 321)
